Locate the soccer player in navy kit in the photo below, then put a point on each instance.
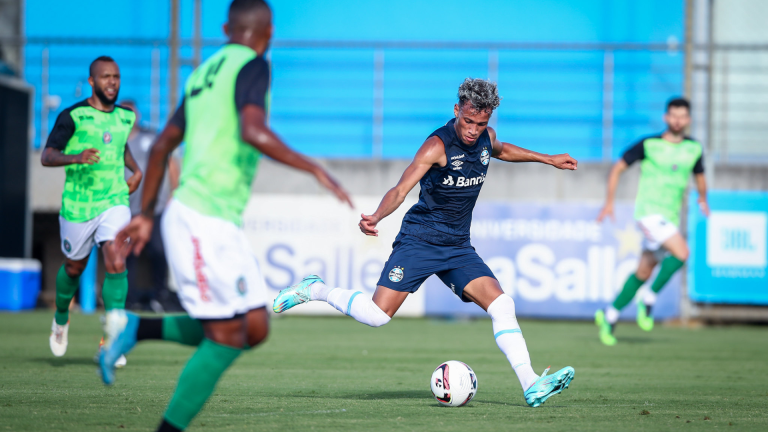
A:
(451, 167)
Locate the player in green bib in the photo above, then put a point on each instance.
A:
(667, 162)
(222, 120)
(89, 141)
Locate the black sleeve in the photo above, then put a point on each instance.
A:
(62, 131)
(179, 120)
(252, 84)
(634, 153)
(699, 167)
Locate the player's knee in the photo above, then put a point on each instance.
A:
(257, 337)
(683, 255)
(377, 317)
(74, 269)
(643, 274)
(504, 305)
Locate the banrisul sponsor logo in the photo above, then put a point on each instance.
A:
(464, 181)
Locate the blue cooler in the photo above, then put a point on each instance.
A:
(19, 283)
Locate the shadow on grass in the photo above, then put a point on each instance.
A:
(65, 361)
(636, 339)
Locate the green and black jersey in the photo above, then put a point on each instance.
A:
(89, 190)
(665, 170)
(218, 166)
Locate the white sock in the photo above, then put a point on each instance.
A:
(319, 291)
(357, 305)
(649, 297)
(612, 315)
(510, 340)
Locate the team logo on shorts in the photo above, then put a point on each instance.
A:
(485, 157)
(107, 137)
(67, 245)
(396, 274)
(242, 288)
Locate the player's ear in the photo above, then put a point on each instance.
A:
(90, 81)
(456, 110)
(225, 27)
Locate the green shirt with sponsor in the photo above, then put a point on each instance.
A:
(664, 172)
(89, 190)
(218, 166)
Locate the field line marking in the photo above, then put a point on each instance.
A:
(279, 413)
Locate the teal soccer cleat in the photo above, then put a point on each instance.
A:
(295, 294)
(121, 332)
(548, 385)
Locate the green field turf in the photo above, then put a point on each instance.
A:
(334, 374)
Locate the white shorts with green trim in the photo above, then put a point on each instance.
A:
(656, 230)
(212, 263)
(78, 238)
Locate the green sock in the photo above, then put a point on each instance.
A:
(66, 287)
(668, 267)
(628, 292)
(198, 380)
(182, 329)
(115, 290)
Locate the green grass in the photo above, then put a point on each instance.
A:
(334, 374)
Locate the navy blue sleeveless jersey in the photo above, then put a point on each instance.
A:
(448, 194)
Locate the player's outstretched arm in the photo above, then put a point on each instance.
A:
(139, 230)
(135, 179)
(701, 186)
(254, 131)
(512, 153)
(431, 153)
(613, 182)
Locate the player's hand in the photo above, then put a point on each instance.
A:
(564, 161)
(368, 225)
(135, 235)
(332, 185)
(133, 182)
(704, 207)
(607, 211)
(88, 156)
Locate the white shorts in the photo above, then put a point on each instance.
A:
(656, 230)
(212, 262)
(78, 238)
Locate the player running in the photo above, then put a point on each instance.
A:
(667, 163)
(89, 140)
(222, 119)
(450, 167)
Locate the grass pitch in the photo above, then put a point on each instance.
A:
(334, 374)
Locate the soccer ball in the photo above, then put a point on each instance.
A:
(453, 383)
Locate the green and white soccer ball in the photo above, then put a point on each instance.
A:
(454, 383)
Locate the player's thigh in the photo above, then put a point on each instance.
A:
(389, 300)
(483, 291)
(230, 331)
(111, 222)
(77, 238)
(257, 321)
(677, 246)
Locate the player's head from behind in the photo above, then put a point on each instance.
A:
(678, 115)
(250, 24)
(105, 79)
(477, 100)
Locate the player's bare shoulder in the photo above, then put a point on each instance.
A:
(432, 152)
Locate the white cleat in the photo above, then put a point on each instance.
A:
(58, 339)
(121, 362)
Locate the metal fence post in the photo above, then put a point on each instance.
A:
(608, 106)
(154, 90)
(44, 98)
(378, 103)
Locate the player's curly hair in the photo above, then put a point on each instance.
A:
(482, 94)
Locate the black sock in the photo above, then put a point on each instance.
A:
(648, 310)
(167, 427)
(150, 328)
